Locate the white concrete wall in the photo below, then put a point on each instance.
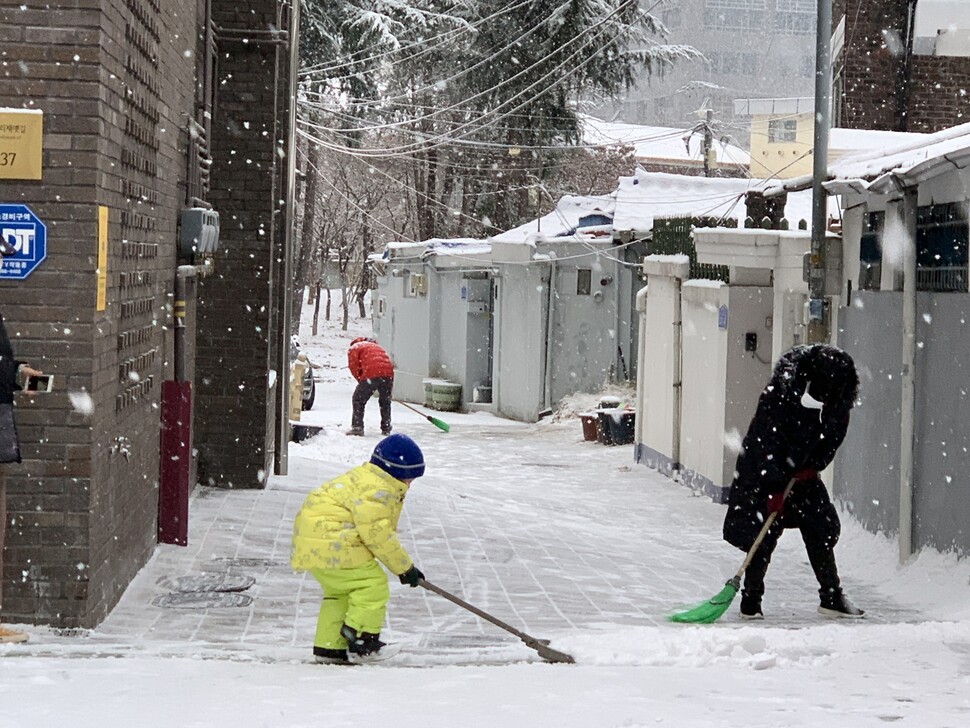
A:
(448, 355)
(747, 372)
(585, 334)
(658, 393)
(703, 447)
(519, 343)
(404, 332)
(790, 294)
(642, 338)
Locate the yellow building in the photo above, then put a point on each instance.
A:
(782, 133)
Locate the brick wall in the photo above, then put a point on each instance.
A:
(239, 306)
(114, 78)
(940, 93)
(874, 95)
(870, 69)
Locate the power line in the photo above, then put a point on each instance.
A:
(435, 43)
(600, 24)
(406, 149)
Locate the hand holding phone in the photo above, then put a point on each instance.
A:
(40, 383)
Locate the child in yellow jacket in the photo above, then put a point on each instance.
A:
(342, 530)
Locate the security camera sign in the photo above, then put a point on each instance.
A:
(23, 241)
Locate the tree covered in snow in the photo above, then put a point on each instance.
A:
(470, 106)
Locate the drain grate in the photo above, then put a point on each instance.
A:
(207, 583)
(202, 600)
(243, 562)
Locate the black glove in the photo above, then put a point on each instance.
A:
(411, 576)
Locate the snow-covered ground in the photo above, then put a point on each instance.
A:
(564, 539)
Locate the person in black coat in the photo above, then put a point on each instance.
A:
(800, 422)
(10, 372)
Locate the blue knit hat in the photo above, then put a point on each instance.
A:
(399, 456)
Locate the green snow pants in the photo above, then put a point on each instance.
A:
(356, 597)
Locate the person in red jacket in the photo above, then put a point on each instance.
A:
(374, 372)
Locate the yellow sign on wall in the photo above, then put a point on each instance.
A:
(21, 141)
(102, 301)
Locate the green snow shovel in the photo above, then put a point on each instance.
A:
(711, 610)
(541, 646)
(441, 425)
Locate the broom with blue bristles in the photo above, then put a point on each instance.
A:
(711, 610)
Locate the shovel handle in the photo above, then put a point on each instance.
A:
(475, 610)
(761, 534)
(413, 409)
(541, 646)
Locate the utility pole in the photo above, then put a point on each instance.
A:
(708, 141)
(818, 324)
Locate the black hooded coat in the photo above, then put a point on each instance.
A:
(793, 436)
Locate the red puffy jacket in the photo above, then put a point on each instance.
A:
(367, 360)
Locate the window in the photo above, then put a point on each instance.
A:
(671, 18)
(941, 247)
(733, 64)
(734, 14)
(806, 66)
(749, 64)
(782, 130)
(795, 17)
(870, 251)
(584, 281)
(942, 233)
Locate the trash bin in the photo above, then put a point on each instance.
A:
(589, 425)
(620, 425)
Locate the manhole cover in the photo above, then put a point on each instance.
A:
(207, 583)
(202, 600)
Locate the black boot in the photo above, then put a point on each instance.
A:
(326, 656)
(361, 644)
(832, 602)
(751, 606)
(835, 604)
(754, 583)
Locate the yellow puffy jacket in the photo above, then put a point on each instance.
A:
(349, 521)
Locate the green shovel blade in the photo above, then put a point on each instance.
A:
(709, 611)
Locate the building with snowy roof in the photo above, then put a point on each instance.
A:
(667, 149)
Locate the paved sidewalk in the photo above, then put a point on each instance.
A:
(559, 537)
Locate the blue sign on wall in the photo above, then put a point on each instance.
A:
(22, 231)
(722, 315)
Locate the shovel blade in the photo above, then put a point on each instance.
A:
(548, 654)
(710, 611)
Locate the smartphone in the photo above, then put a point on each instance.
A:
(40, 383)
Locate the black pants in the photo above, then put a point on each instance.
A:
(365, 390)
(820, 555)
(808, 509)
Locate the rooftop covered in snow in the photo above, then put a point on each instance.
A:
(571, 212)
(659, 144)
(647, 196)
(882, 170)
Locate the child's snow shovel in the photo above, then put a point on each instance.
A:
(541, 646)
(443, 426)
(711, 610)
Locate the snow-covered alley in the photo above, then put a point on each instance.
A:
(564, 539)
